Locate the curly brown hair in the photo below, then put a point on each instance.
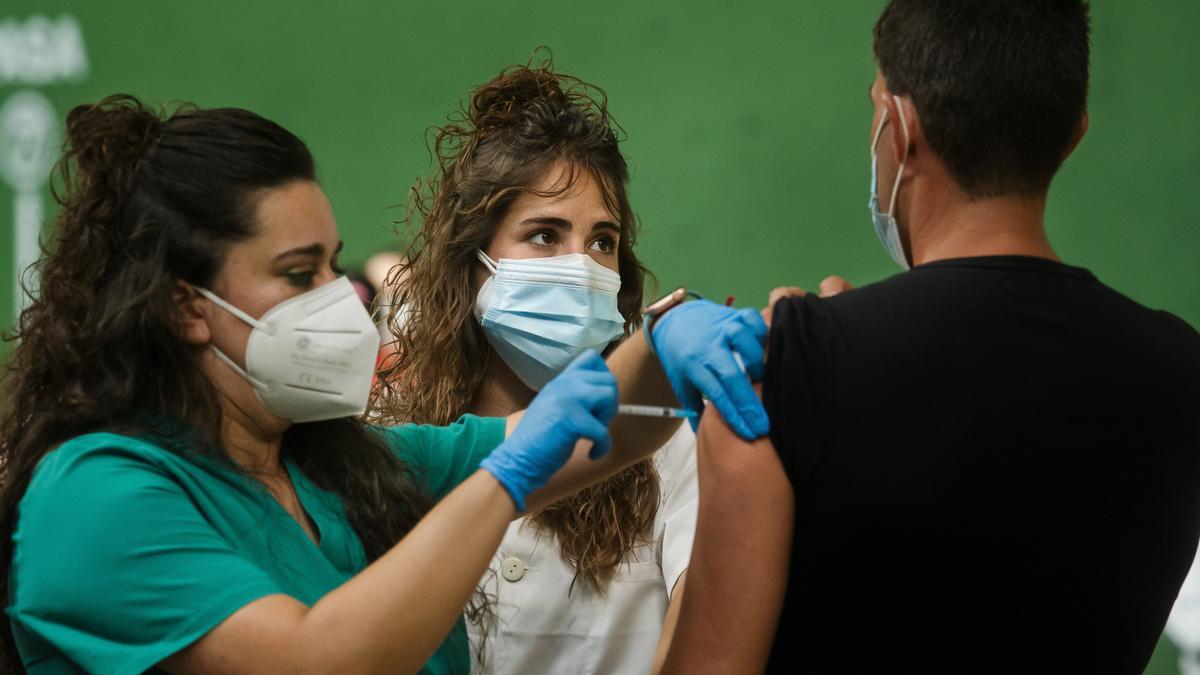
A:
(149, 200)
(517, 126)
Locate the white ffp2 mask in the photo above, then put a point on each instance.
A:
(311, 357)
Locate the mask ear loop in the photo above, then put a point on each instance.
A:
(478, 311)
(224, 358)
(268, 328)
(899, 172)
(487, 261)
(879, 130)
(238, 369)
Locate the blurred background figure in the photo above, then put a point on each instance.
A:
(364, 289)
(376, 272)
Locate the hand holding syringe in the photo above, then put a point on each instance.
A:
(667, 412)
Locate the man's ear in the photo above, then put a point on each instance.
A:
(1084, 122)
(189, 307)
(907, 135)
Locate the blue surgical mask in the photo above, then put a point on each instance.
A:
(540, 313)
(885, 223)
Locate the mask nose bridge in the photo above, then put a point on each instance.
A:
(333, 293)
(575, 242)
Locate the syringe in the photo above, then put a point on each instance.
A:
(653, 411)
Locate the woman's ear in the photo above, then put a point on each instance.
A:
(189, 305)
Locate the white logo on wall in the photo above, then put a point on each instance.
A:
(33, 52)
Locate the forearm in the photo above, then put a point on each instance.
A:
(640, 379)
(394, 614)
(669, 622)
(639, 374)
(389, 618)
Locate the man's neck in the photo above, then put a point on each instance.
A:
(961, 228)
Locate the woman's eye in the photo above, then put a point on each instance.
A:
(542, 238)
(605, 245)
(300, 279)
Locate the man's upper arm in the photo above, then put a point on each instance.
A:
(739, 567)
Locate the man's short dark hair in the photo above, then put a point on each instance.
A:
(1000, 85)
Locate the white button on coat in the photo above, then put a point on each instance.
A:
(512, 569)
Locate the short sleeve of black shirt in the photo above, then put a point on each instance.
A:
(797, 382)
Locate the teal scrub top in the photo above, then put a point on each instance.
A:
(125, 552)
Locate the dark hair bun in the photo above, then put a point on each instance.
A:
(500, 102)
(532, 105)
(112, 135)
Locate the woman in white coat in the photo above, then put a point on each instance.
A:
(524, 258)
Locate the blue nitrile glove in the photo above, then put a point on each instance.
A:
(578, 403)
(697, 343)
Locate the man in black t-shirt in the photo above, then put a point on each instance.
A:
(989, 463)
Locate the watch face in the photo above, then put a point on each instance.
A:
(667, 302)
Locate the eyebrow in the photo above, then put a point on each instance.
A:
(310, 250)
(566, 224)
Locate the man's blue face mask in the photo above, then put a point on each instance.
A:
(885, 223)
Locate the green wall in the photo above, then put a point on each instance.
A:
(747, 122)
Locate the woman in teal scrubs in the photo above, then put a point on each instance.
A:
(187, 482)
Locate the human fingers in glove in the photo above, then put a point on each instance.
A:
(714, 352)
(577, 404)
